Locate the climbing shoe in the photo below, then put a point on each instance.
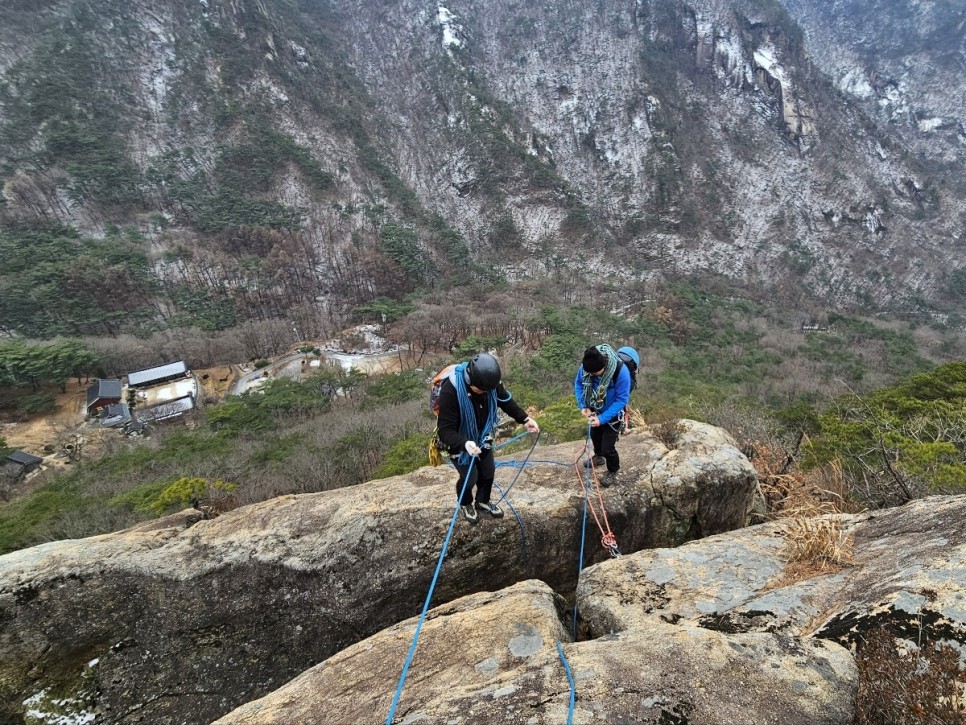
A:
(608, 479)
(469, 513)
(597, 461)
(491, 508)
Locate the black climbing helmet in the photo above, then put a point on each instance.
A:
(483, 372)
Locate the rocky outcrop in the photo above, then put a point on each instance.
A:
(492, 658)
(688, 136)
(906, 574)
(186, 619)
(722, 630)
(903, 77)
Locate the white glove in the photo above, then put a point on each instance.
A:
(531, 425)
(472, 448)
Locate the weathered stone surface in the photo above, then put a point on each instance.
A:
(492, 658)
(711, 632)
(908, 574)
(188, 620)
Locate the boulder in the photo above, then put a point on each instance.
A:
(185, 619)
(906, 572)
(493, 658)
(727, 629)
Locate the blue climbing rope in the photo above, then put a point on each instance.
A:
(442, 555)
(583, 531)
(521, 467)
(517, 437)
(570, 679)
(429, 596)
(523, 533)
(468, 427)
(533, 462)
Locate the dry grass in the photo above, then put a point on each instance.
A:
(817, 543)
(668, 432)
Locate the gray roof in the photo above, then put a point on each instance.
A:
(159, 373)
(114, 415)
(167, 409)
(104, 389)
(23, 458)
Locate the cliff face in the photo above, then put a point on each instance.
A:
(642, 137)
(903, 62)
(182, 620)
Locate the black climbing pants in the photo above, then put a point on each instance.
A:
(484, 471)
(604, 439)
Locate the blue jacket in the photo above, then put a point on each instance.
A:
(618, 394)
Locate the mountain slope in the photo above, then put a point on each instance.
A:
(904, 62)
(274, 154)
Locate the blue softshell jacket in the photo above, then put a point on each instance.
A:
(618, 394)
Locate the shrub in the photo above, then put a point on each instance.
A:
(907, 687)
(474, 344)
(562, 421)
(36, 404)
(27, 521)
(393, 389)
(900, 442)
(277, 449)
(668, 431)
(159, 498)
(406, 454)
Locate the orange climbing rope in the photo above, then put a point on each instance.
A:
(607, 538)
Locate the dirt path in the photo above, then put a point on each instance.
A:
(50, 429)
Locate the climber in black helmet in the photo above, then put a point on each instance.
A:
(468, 400)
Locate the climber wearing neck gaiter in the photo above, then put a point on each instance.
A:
(603, 388)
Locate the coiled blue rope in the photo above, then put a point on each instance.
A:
(468, 427)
